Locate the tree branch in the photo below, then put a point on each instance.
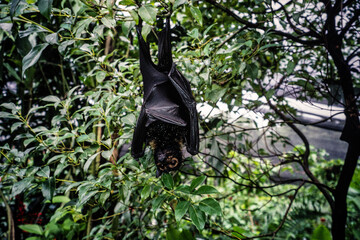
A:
(353, 54)
(305, 164)
(266, 29)
(349, 23)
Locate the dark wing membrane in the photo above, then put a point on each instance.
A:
(164, 49)
(167, 115)
(138, 143)
(183, 87)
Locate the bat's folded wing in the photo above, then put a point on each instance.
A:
(168, 115)
(183, 87)
(139, 141)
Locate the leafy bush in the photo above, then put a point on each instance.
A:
(71, 91)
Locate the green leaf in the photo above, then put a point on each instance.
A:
(248, 43)
(297, 15)
(270, 93)
(157, 202)
(86, 198)
(290, 67)
(238, 232)
(107, 142)
(321, 233)
(216, 94)
(73, 185)
(208, 29)
(89, 161)
(13, 7)
(146, 29)
(107, 154)
(52, 38)
(135, 16)
(206, 190)
(32, 57)
(39, 129)
(242, 67)
(196, 182)
(196, 14)
(44, 172)
(54, 158)
(12, 71)
(20, 186)
(53, 99)
(83, 138)
(33, 238)
(179, 2)
(100, 76)
(272, 45)
(183, 188)
(252, 70)
(127, 2)
(10, 106)
(28, 141)
(64, 44)
(145, 192)
(172, 233)
(108, 21)
(60, 199)
(129, 119)
(126, 27)
(187, 234)
(181, 209)
(60, 167)
(34, 109)
(197, 217)
(194, 33)
(148, 13)
(103, 197)
(7, 115)
(15, 126)
(81, 26)
(167, 180)
(210, 206)
(48, 188)
(45, 7)
(32, 228)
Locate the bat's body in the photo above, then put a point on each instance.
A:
(168, 116)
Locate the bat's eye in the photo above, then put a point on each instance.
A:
(174, 162)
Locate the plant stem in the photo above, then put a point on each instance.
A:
(11, 229)
(64, 82)
(88, 226)
(98, 139)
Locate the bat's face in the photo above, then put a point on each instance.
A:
(167, 160)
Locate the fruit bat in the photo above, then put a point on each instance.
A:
(168, 117)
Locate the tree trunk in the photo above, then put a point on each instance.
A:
(350, 133)
(339, 213)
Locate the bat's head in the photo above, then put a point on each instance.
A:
(166, 140)
(167, 159)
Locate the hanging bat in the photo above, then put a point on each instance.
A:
(168, 117)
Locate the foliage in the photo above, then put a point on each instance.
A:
(71, 92)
